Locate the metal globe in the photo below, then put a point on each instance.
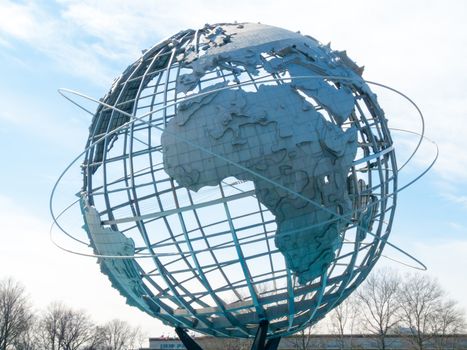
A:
(236, 174)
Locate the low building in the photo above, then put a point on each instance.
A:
(316, 341)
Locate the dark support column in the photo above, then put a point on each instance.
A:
(189, 343)
(258, 344)
(273, 343)
(260, 338)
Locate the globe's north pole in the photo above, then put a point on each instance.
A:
(249, 171)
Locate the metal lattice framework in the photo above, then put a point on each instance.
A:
(207, 260)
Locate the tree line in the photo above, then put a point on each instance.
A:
(58, 327)
(412, 307)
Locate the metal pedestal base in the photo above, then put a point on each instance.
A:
(258, 344)
(189, 343)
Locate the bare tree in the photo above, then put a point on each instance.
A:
(63, 328)
(343, 319)
(305, 339)
(15, 312)
(120, 335)
(97, 339)
(236, 344)
(301, 339)
(28, 340)
(447, 321)
(378, 298)
(426, 313)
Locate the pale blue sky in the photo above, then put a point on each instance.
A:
(418, 47)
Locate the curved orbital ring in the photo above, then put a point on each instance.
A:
(336, 215)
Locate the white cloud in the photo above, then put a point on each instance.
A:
(457, 199)
(86, 36)
(27, 115)
(457, 226)
(4, 43)
(447, 262)
(52, 36)
(19, 20)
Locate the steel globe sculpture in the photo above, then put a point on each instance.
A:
(239, 176)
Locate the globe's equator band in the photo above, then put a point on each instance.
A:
(139, 255)
(224, 199)
(217, 234)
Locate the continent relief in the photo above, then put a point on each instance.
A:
(297, 160)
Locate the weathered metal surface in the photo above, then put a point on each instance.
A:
(239, 173)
